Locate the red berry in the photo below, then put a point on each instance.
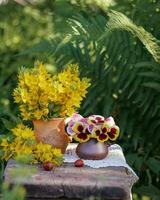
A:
(79, 163)
(48, 166)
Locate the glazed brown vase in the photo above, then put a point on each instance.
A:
(92, 150)
(52, 132)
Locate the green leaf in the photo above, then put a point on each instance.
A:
(149, 74)
(152, 85)
(8, 124)
(149, 190)
(154, 165)
(131, 158)
(139, 163)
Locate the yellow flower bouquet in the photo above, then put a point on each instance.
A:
(44, 99)
(23, 145)
(41, 95)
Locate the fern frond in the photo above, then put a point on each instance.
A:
(118, 20)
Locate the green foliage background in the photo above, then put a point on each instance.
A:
(121, 59)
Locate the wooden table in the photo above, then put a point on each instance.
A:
(67, 181)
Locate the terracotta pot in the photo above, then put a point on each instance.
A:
(52, 132)
(92, 150)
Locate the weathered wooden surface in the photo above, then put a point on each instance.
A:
(111, 183)
(69, 182)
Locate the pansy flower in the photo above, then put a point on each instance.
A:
(91, 121)
(95, 126)
(113, 133)
(81, 137)
(100, 133)
(90, 128)
(96, 131)
(70, 130)
(74, 118)
(102, 137)
(87, 131)
(78, 127)
(96, 119)
(105, 128)
(110, 121)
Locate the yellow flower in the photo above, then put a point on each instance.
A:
(38, 114)
(105, 128)
(38, 93)
(78, 127)
(4, 142)
(81, 137)
(21, 131)
(5, 147)
(24, 143)
(102, 137)
(113, 133)
(45, 152)
(96, 131)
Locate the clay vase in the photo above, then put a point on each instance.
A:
(92, 150)
(52, 132)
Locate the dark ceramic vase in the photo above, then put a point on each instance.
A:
(92, 150)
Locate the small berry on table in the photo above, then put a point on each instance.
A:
(79, 163)
(48, 166)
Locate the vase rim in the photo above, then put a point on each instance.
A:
(52, 119)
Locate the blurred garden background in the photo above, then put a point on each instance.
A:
(116, 44)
